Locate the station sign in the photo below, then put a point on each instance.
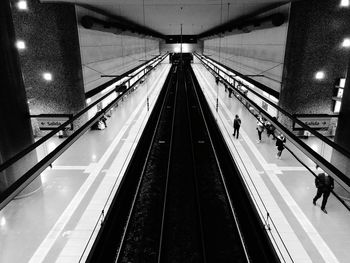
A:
(315, 122)
(52, 121)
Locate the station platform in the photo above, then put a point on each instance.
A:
(56, 223)
(284, 185)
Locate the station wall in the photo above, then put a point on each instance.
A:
(254, 53)
(104, 53)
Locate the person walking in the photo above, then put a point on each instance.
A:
(260, 128)
(236, 126)
(324, 184)
(280, 140)
(270, 130)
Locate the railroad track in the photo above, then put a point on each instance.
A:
(179, 207)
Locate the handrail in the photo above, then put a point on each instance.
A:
(254, 200)
(98, 89)
(246, 78)
(102, 215)
(31, 147)
(303, 164)
(302, 124)
(323, 163)
(32, 173)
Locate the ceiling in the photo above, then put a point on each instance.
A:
(166, 16)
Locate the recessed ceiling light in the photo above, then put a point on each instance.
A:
(319, 75)
(47, 76)
(344, 3)
(22, 5)
(20, 44)
(346, 42)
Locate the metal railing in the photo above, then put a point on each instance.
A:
(324, 159)
(24, 180)
(267, 217)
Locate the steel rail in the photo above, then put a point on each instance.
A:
(264, 221)
(222, 177)
(195, 178)
(161, 235)
(122, 242)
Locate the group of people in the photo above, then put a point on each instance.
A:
(324, 183)
(261, 126)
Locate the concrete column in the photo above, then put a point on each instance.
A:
(315, 33)
(50, 33)
(15, 127)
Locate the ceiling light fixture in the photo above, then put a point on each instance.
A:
(344, 3)
(319, 75)
(22, 5)
(346, 42)
(47, 76)
(20, 44)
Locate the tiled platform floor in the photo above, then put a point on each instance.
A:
(285, 186)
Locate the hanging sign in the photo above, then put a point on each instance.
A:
(314, 122)
(52, 121)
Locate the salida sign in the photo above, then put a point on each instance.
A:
(52, 122)
(314, 122)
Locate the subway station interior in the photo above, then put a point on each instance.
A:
(174, 131)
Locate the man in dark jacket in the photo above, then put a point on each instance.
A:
(280, 145)
(324, 184)
(236, 126)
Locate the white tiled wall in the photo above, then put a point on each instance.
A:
(104, 53)
(257, 52)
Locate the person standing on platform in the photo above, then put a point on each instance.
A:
(236, 126)
(270, 130)
(229, 92)
(217, 80)
(260, 128)
(324, 184)
(280, 140)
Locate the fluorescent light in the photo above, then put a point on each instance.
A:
(319, 75)
(22, 5)
(337, 107)
(344, 3)
(20, 44)
(2, 221)
(47, 76)
(346, 42)
(342, 82)
(88, 100)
